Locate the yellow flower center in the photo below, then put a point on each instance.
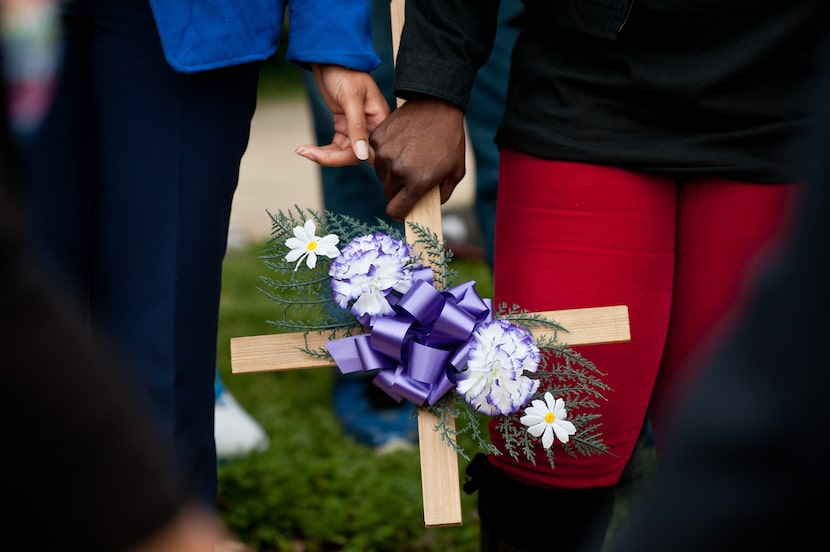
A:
(550, 417)
(312, 245)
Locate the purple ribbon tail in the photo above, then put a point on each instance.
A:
(355, 354)
(345, 355)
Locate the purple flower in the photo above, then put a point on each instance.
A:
(494, 380)
(367, 270)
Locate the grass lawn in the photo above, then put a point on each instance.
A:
(315, 489)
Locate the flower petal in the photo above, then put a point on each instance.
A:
(537, 429)
(311, 260)
(547, 437)
(295, 254)
(294, 243)
(372, 302)
(530, 420)
(539, 405)
(329, 239)
(550, 401)
(563, 430)
(301, 234)
(329, 251)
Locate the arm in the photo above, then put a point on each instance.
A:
(422, 144)
(334, 39)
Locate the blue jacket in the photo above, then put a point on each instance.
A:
(198, 35)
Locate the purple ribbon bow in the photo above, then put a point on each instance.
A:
(418, 350)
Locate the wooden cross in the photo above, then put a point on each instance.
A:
(440, 482)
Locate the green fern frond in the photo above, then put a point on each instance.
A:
(437, 255)
(303, 302)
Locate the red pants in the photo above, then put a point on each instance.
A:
(677, 251)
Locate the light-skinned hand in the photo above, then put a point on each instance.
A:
(357, 106)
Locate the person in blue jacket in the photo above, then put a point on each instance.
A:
(131, 176)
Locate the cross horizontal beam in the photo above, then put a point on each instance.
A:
(279, 352)
(439, 466)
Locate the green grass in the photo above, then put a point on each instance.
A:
(314, 485)
(280, 79)
(315, 489)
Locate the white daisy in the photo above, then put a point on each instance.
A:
(306, 244)
(548, 418)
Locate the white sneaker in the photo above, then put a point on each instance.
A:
(236, 432)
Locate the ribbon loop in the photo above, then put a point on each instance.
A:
(418, 350)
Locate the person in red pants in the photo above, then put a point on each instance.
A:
(643, 162)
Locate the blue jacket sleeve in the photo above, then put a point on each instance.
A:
(331, 31)
(198, 35)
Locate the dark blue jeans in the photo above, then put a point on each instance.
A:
(130, 183)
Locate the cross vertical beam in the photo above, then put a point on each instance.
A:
(439, 466)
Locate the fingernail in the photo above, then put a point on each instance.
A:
(362, 150)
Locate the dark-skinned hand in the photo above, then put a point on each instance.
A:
(421, 145)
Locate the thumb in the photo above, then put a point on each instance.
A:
(356, 124)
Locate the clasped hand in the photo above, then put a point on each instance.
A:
(415, 148)
(357, 107)
(421, 145)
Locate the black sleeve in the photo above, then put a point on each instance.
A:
(82, 468)
(444, 43)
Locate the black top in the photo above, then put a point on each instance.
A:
(690, 86)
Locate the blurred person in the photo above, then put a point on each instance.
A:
(86, 470)
(642, 162)
(725, 485)
(130, 179)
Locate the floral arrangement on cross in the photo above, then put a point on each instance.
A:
(376, 306)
